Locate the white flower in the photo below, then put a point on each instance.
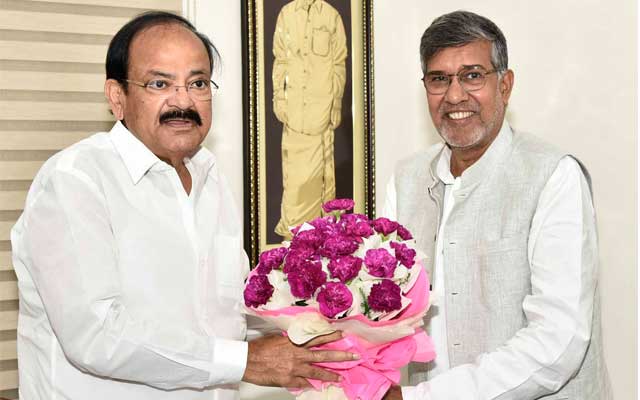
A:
(325, 266)
(360, 291)
(400, 274)
(365, 276)
(372, 242)
(282, 296)
(306, 227)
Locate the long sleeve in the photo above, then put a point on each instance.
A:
(67, 240)
(546, 353)
(280, 60)
(339, 52)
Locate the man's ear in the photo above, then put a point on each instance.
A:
(506, 85)
(116, 97)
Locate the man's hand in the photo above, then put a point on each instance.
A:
(274, 361)
(395, 393)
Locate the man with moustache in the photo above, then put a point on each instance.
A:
(129, 251)
(508, 224)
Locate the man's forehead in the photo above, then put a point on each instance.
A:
(457, 57)
(167, 45)
(163, 32)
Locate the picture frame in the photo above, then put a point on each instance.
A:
(276, 44)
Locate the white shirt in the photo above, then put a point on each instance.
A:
(438, 318)
(129, 287)
(554, 253)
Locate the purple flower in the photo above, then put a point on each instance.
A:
(322, 222)
(257, 291)
(338, 245)
(305, 281)
(310, 238)
(380, 263)
(298, 257)
(271, 259)
(345, 268)
(356, 225)
(338, 205)
(384, 225)
(404, 233)
(404, 254)
(334, 298)
(385, 296)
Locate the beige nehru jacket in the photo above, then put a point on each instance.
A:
(487, 274)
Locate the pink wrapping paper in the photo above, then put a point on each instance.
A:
(390, 346)
(379, 365)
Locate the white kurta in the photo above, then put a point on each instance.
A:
(557, 223)
(129, 287)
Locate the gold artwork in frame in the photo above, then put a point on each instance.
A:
(308, 113)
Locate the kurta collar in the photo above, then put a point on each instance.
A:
(303, 4)
(138, 159)
(443, 167)
(203, 161)
(476, 172)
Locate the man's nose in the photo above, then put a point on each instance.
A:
(180, 98)
(455, 92)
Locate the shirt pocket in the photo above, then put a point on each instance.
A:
(320, 41)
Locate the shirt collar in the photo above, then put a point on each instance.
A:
(203, 161)
(304, 4)
(137, 157)
(443, 167)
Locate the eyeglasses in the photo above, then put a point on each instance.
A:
(200, 89)
(471, 79)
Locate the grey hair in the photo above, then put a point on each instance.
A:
(458, 29)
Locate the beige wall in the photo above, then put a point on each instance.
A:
(574, 62)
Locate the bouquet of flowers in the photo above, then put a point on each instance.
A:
(362, 277)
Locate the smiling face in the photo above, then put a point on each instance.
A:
(468, 120)
(166, 125)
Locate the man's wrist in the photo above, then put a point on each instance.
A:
(394, 393)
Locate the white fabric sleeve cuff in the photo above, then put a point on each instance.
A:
(415, 392)
(229, 361)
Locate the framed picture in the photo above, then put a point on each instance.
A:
(308, 110)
